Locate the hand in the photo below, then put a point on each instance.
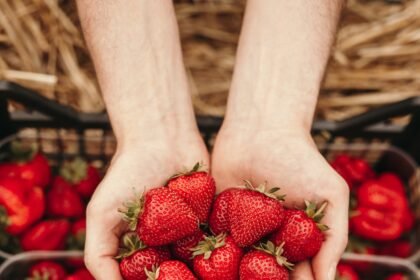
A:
(135, 167)
(287, 159)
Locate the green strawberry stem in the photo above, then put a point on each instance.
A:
(74, 171)
(196, 168)
(276, 252)
(316, 213)
(152, 274)
(131, 212)
(22, 152)
(131, 244)
(262, 188)
(208, 245)
(4, 219)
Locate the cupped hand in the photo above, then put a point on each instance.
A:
(289, 159)
(135, 167)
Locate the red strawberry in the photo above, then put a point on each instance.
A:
(80, 274)
(392, 181)
(301, 232)
(161, 217)
(218, 221)
(63, 201)
(375, 225)
(265, 263)
(354, 170)
(76, 241)
(398, 276)
(46, 270)
(136, 258)
(84, 177)
(171, 270)
(399, 248)
(217, 258)
(346, 272)
(27, 164)
(254, 213)
(181, 249)
(373, 194)
(20, 205)
(197, 188)
(46, 235)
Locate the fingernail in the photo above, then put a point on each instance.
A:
(331, 272)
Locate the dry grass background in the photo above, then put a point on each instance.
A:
(376, 59)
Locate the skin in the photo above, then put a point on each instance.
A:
(283, 51)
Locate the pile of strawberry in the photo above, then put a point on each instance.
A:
(54, 270)
(381, 220)
(347, 272)
(39, 211)
(179, 231)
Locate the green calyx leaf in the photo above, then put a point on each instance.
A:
(22, 152)
(208, 245)
(277, 252)
(131, 211)
(4, 218)
(198, 167)
(39, 276)
(262, 188)
(130, 244)
(316, 213)
(152, 274)
(74, 171)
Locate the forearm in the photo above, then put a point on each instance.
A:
(136, 51)
(282, 55)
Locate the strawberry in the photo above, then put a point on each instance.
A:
(346, 272)
(84, 177)
(20, 205)
(265, 263)
(46, 270)
(375, 225)
(398, 276)
(80, 274)
(136, 257)
(171, 270)
(373, 194)
(217, 257)
(181, 249)
(161, 217)
(27, 164)
(301, 232)
(197, 188)
(63, 201)
(398, 248)
(392, 181)
(353, 170)
(218, 221)
(76, 241)
(46, 235)
(254, 213)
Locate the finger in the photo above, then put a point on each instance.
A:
(302, 271)
(101, 248)
(325, 262)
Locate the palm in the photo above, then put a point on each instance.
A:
(292, 163)
(130, 174)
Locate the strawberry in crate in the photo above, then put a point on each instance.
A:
(56, 270)
(380, 210)
(36, 212)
